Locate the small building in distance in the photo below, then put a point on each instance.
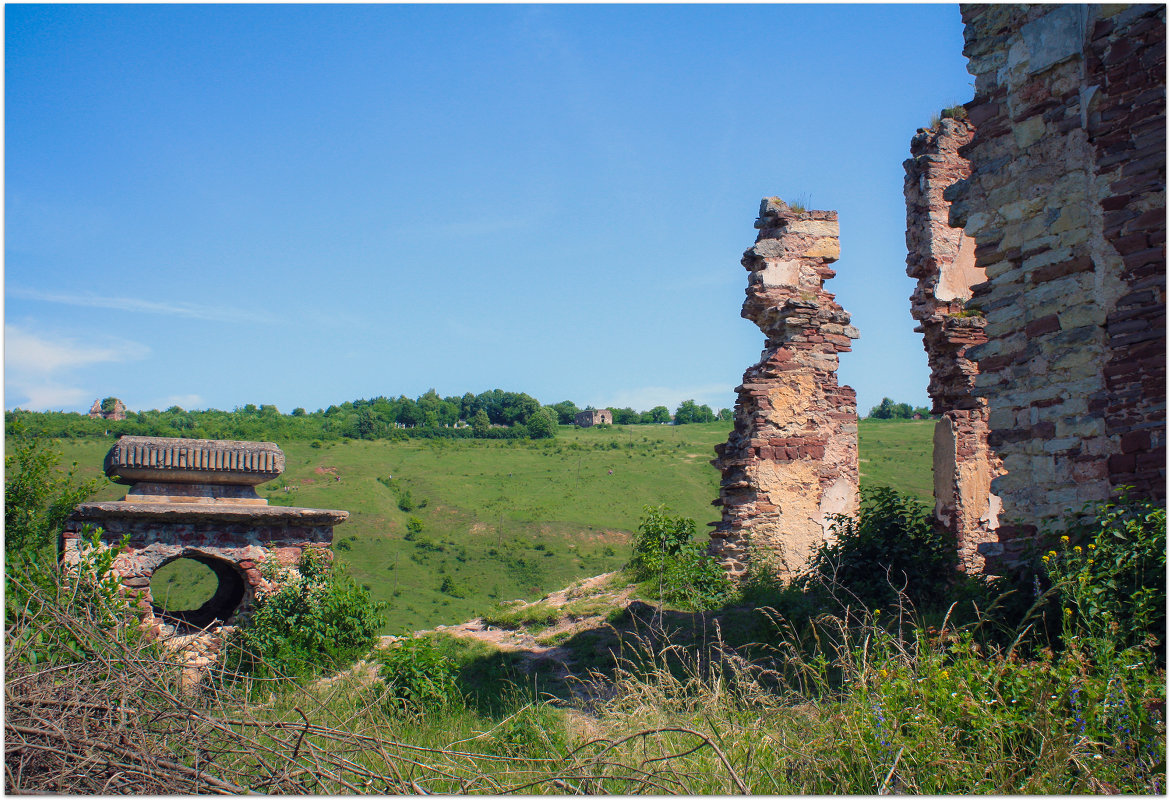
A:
(593, 417)
(108, 409)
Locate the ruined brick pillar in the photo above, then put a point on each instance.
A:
(943, 260)
(792, 459)
(1067, 205)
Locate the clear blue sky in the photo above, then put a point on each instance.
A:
(301, 205)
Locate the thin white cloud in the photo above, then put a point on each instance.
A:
(41, 397)
(192, 310)
(28, 352)
(644, 398)
(32, 364)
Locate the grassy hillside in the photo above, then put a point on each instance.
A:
(513, 518)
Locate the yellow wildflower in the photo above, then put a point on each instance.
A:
(943, 674)
(1064, 538)
(1077, 549)
(1091, 546)
(1053, 553)
(883, 673)
(1044, 558)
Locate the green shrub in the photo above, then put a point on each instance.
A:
(405, 502)
(669, 562)
(1110, 573)
(450, 586)
(891, 546)
(414, 527)
(416, 677)
(316, 618)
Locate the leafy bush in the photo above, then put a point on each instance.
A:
(416, 677)
(672, 565)
(315, 618)
(891, 546)
(414, 527)
(1110, 573)
(38, 498)
(405, 502)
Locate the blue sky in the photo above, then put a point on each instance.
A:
(300, 205)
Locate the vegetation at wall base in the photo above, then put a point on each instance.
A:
(672, 566)
(315, 618)
(890, 547)
(1109, 573)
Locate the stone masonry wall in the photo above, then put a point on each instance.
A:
(792, 457)
(1067, 205)
(943, 260)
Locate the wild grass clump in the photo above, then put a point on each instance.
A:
(672, 566)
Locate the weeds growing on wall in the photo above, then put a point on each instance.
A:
(316, 618)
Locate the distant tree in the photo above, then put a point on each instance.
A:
(689, 412)
(660, 414)
(467, 406)
(481, 423)
(366, 425)
(725, 415)
(922, 411)
(625, 416)
(542, 424)
(566, 411)
(108, 405)
(250, 408)
(299, 412)
(884, 410)
(409, 413)
(889, 410)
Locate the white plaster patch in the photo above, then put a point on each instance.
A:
(779, 272)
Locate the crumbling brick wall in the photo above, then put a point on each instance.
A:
(1067, 205)
(791, 460)
(943, 261)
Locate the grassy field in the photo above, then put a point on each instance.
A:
(502, 519)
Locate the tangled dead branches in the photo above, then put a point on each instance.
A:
(117, 717)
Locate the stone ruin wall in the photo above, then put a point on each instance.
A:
(791, 460)
(196, 499)
(1067, 206)
(943, 260)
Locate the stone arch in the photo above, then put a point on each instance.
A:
(197, 499)
(232, 595)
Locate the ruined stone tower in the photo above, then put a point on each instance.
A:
(792, 459)
(943, 260)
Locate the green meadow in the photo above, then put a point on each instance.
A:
(497, 520)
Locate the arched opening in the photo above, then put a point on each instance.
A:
(196, 590)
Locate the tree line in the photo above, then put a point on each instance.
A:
(889, 410)
(493, 414)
